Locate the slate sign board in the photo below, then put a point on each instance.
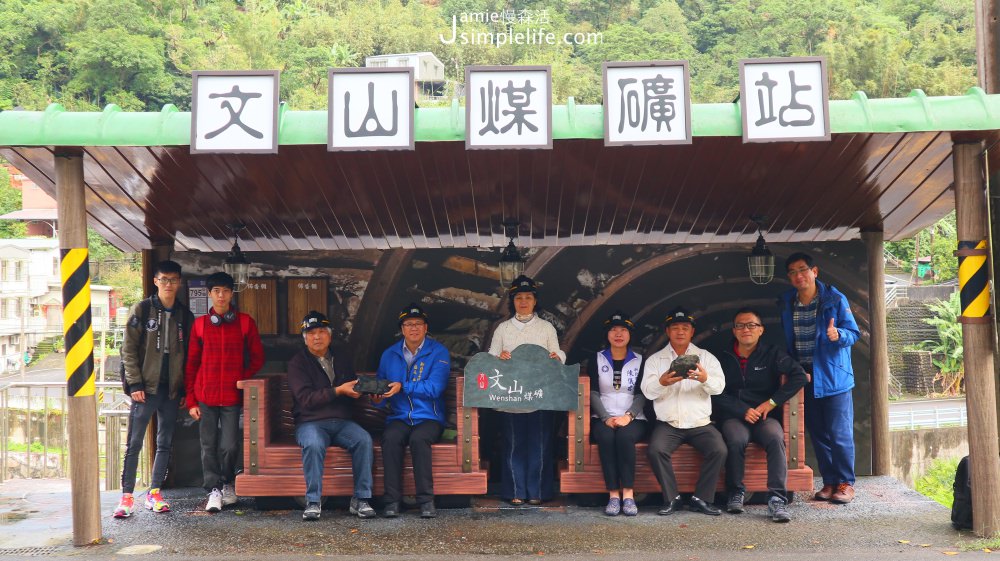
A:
(529, 380)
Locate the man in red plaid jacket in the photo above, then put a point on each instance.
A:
(225, 348)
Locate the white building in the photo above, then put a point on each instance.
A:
(428, 71)
(31, 297)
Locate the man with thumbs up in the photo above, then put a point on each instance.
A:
(819, 332)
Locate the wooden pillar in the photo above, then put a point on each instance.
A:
(78, 332)
(881, 445)
(988, 44)
(977, 336)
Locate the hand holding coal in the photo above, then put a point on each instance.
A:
(683, 365)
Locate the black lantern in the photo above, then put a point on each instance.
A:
(511, 262)
(236, 264)
(761, 260)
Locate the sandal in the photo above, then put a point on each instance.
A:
(517, 502)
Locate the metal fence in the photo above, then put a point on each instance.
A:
(35, 441)
(928, 418)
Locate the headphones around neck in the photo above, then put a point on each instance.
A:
(228, 317)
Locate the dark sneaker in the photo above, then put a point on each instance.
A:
(675, 506)
(629, 508)
(614, 507)
(427, 510)
(312, 512)
(777, 510)
(735, 504)
(361, 508)
(843, 495)
(701, 506)
(391, 510)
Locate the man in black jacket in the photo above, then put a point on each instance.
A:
(322, 384)
(753, 390)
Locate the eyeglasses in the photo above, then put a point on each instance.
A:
(412, 324)
(797, 272)
(168, 281)
(751, 325)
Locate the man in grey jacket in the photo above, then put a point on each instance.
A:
(153, 354)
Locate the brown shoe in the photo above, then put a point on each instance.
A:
(844, 494)
(825, 493)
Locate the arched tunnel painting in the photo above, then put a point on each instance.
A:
(579, 287)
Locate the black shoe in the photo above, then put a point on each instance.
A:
(391, 510)
(361, 508)
(698, 505)
(735, 504)
(427, 510)
(675, 506)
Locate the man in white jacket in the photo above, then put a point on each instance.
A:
(682, 402)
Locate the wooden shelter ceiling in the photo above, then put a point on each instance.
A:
(578, 193)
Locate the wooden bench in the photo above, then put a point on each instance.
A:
(273, 460)
(582, 473)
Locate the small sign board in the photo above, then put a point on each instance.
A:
(198, 297)
(647, 103)
(784, 99)
(508, 107)
(529, 380)
(234, 111)
(370, 109)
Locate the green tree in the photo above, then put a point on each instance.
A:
(947, 349)
(10, 200)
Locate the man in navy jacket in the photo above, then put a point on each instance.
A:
(819, 332)
(417, 368)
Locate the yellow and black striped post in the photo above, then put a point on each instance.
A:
(974, 281)
(77, 327)
(82, 407)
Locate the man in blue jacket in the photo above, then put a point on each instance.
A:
(819, 332)
(417, 368)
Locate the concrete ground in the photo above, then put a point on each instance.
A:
(886, 521)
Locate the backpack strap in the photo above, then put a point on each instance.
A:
(144, 306)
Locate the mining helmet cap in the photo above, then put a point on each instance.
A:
(679, 315)
(522, 283)
(618, 319)
(412, 311)
(313, 320)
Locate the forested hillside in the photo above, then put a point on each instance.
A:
(139, 54)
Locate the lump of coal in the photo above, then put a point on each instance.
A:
(684, 364)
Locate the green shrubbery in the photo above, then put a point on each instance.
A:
(937, 483)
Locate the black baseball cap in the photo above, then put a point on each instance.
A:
(313, 320)
(412, 311)
(679, 315)
(618, 319)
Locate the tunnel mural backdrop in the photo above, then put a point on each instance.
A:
(579, 288)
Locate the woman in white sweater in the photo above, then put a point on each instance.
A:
(528, 468)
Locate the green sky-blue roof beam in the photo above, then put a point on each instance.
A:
(974, 111)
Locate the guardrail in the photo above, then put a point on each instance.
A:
(928, 418)
(36, 442)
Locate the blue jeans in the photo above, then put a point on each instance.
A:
(830, 421)
(315, 436)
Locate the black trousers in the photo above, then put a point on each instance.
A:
(396, 436)
(707, 440)
(616, 447)
(221, 441)
(771, 437)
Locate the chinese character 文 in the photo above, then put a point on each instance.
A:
(370, 125)
(765, 91)
(518, 98)
(657, 102)
(234, 114)
(496, 381)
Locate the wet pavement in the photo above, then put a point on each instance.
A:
(886, 521)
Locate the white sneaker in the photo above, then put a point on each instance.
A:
(229, 495)
(214, 501)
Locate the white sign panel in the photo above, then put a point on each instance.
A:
(508, 107)
(785, 99)
(646, 103)
(370, 109)
(234, 112)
